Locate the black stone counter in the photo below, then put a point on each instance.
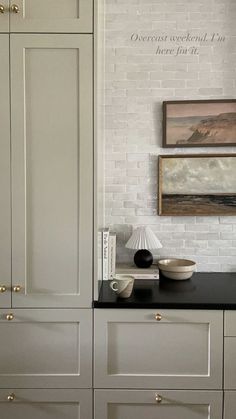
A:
(212, 291)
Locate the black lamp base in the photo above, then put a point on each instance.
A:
(143, 258)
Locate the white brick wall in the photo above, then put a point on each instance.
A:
(137, 81)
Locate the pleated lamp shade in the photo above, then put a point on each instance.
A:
(143, 238)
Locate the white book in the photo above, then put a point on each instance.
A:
(105, 246)
(112, 256)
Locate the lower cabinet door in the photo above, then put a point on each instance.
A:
(171, 349)
(45, 404)
(151, 404)
(46, 348)
(230, 405)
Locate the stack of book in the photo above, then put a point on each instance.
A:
(108, 254)
(109, 267)
(138, 273)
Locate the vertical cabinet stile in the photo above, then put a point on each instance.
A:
(5, 188)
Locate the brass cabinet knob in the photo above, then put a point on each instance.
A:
(11, 397)
(9, 316)
(15, 8)
(3, 288)
(158, 317)
(158, 398)
(17, 288)
(2, 9)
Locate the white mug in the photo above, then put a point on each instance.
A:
(123, 285)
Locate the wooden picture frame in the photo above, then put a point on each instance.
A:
(200, 184)
(199, 123)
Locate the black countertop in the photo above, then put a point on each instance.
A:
(212, 291)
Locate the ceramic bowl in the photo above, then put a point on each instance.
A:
(178, 269)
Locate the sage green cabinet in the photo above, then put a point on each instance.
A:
(171, 349)
(66, 16)
(153, 404)
(45, 404)
(46, 348)
(52, 170)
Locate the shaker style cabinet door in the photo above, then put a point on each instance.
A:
(68, 16)
(4, 16)
(52, 170)
(172, 349)
(46, 348)
(151, 404)
(5, 208)
(45, 404)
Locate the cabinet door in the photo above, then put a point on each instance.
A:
(230, 405)
(52, 170)
(46, 349)
(4, 16)
(181, 349)
(117, 404)
(5, 188)
(69, 16)
(46, 404)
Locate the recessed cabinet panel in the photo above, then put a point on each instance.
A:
(182, 350)
(46, 404)
(159, 356)
(118, 404)
(5, 206)
(47, 348)
(4, 16)
(52, 170)
(68, 16)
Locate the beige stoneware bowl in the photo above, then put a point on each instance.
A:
(178, 269)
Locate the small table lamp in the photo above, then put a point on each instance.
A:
(143, 239)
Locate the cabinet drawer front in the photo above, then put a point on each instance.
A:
(230, 405)
(46, 404)
(182, 350)
(52, 173)
(69, 16)
(138, 404)
(230, 323)
(230, 366)
(46, 349)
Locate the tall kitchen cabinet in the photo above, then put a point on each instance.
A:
(46, 225)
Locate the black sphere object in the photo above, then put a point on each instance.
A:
(143, 258)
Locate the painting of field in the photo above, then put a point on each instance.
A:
(201, 123)
(197, 185)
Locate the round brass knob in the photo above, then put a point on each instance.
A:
(158, 398)
(17, 288)
(2, 9)
(11, 397)
(3, 288)
(10, 316)
(158, 317)
(15, 8)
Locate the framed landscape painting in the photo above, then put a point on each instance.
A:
(199, 123)
(197, 184)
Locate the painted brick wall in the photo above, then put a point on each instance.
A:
(139, 76)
